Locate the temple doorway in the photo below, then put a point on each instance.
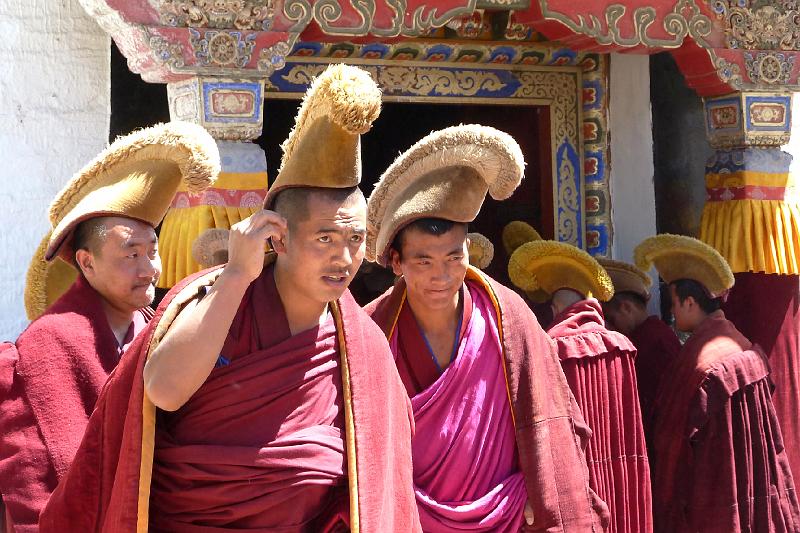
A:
(401, 124)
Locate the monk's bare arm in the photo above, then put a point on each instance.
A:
(188, 352)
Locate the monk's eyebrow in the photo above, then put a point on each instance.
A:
(360, 231)
(130, 243)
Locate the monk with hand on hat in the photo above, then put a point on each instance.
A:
(88, 291)
(498, 444)
(261, 397)
(599, 366)
(719, 463)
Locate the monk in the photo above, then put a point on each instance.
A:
(261, 397)
(719, 458)
(51, 377)
(599, 367)
(499, 440)
(656, 343)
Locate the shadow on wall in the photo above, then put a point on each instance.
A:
(680, 149)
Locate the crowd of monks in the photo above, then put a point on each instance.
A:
(260, 396)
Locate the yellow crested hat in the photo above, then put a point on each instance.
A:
(550, 266)
(135, 177)
(210, 248)
(324, 148)
(627, 278)
(516, 233)
(445, 175)
(681, 257)
(481, 250)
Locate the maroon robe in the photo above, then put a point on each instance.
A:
(657, 346)
(719, 463)
(599, 366)
(273, 438)
(550, 432)
(49, 382)
(766, 309)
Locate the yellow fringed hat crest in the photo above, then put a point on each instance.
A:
(445, 175)
(681, 257)
(550, 266)
(516, 233)
(324, 148)
(627, 278)
(481, 250)
(135, 177)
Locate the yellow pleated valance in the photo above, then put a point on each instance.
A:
(234, 197)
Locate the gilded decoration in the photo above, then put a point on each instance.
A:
(328, 15)
(685, 19)
(557, 88)
(769, 67)
(760, 24)
(728, 72)
(231, 49)
(220, 14)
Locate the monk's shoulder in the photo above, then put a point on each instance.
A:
(55, 327)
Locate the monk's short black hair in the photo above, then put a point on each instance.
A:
(684, 288)
(629, 296)
(90, 235)
(428, 226)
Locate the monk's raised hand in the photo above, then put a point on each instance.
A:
(247, 240)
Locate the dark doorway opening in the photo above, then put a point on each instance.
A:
(400, 125)
(134, 102)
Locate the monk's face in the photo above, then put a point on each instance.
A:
(124, 265)
(687, 313)
(324, 249)
(433, 266)
(620, 315)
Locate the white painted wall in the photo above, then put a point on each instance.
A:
(633, 205)
(55, 85)
(794, 141)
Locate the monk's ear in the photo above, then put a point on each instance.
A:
(279, 245)
(85, 261)
(394, 262)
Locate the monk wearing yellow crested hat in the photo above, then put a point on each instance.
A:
(719, 462)
(88, 290)
(656, 343)
(498, 443)
(599, 366)
(261, 397)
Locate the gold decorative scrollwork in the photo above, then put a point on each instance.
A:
(423, 19)
(685, 19)
(728, 72)
(327, 12)
(299, 11)
(568, 204)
